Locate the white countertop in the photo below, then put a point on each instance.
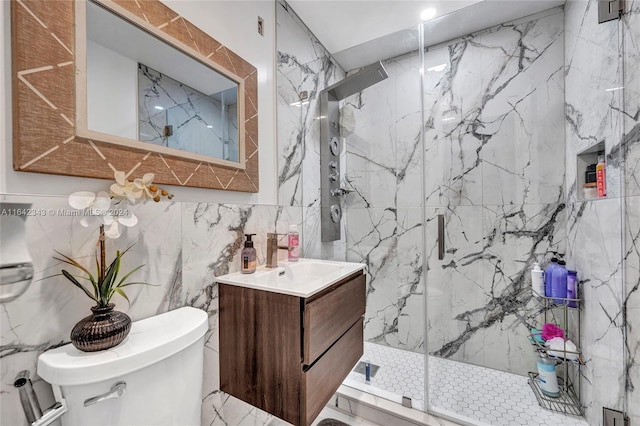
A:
(303, 278)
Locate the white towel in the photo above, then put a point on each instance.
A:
(557, 347)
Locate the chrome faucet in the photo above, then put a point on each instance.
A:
(272, 249)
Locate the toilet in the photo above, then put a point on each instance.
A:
(154, 377)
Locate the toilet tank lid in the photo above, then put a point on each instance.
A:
(151, 340)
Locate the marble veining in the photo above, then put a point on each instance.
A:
(600, 105)
(184, 247)
(303, 66)
(631, 305)
(304, 69)
(484, 104)
(200, 123)
(492, 169)
(480, 305)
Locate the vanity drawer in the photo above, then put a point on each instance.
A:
(328, 316)
(324, 377)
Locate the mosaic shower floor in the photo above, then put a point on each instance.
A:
(481, 395)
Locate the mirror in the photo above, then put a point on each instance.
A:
(184, 106)
(141, 88)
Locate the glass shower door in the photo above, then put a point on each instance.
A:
(494, 188)
(384, 226)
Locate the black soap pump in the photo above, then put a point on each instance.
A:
(248, 256)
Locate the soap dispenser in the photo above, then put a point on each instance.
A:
(248, 256)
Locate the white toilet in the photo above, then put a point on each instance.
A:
(160, 364)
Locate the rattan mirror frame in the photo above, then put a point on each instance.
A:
(45, 137)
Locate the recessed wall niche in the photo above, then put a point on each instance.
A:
(586, 169)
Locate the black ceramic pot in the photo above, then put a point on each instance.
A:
(103, 329)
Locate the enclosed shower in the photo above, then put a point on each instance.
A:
(460, 170)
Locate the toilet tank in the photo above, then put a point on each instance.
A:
(160, 362)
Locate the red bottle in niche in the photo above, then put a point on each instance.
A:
(601, 177)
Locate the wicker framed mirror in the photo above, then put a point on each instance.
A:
(50, 132)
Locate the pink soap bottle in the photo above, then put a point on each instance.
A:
(294, 243)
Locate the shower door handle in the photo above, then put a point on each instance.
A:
(440, 236)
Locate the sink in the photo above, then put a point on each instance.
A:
(302, 278)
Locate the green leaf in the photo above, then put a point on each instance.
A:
(109, 277)
(50, 276)
(77, 284)
(121, 293)
(138, 283)
(72, 262)
(131, 272)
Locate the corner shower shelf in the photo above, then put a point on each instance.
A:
(569, 400)
(566, 403)
(544, 351)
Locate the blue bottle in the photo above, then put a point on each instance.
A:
(559, 282)
(572, 289)
(547, 276)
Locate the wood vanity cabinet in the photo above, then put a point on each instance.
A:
(287, 355)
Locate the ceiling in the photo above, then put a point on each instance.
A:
(341, 24)
(359, 32)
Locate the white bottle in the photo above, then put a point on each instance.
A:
(294, 243)
(537, 279)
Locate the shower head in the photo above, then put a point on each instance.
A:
(360, 80)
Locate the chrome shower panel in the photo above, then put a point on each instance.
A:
(331, 143)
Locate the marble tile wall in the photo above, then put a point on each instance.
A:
(494, 168)
(384, 214)
(197, 119)
(303, 66)
(197, 242)
(184, 247)
(631, 140)
(598, 63)
(494, 130)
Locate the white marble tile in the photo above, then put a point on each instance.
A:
(631, 62)
(407, 131)
(304, 66)
(594, 251)
(455, 284)
(521, 112)
(289, 131)
(483, 111)
(410, 280)
(514, 238)
(45, 314)
(371, 148)
(592, 71)
(222, 409)
(293, 36)
(632, 304)
(372, 239)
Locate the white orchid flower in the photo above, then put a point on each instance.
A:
(124, 189)
(112, 223)
(143, 185)
(94, 205)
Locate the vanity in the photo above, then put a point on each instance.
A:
(290, 335)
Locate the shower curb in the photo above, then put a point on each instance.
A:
(379, 410)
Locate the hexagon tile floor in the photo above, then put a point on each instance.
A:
(478, 394)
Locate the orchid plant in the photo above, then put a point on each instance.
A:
(106, 208)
